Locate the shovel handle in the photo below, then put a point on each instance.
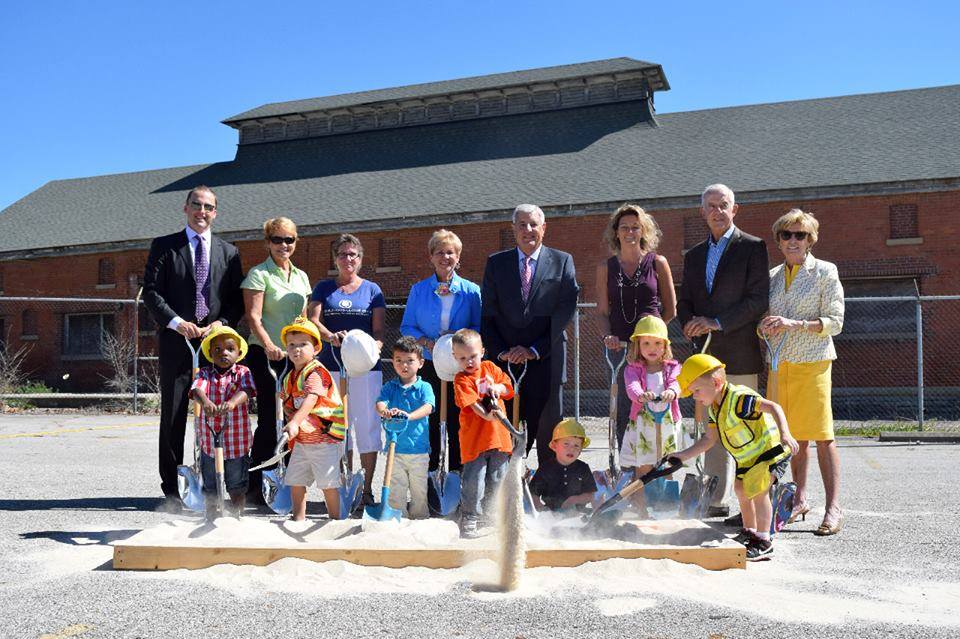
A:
(388, 473)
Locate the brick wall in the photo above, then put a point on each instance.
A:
(855, 233)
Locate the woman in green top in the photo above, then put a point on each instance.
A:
(274, 293)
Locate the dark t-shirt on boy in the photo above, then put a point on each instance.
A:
(554, 482)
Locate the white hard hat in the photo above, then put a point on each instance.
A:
(443, 361)
(359, 352)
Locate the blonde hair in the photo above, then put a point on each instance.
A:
(443, 236)
(634, 355)
(466, 336)
(650, 233)
(275, 224)
(796, 216)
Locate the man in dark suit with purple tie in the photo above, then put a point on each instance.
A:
(528, 296)
(191, 285)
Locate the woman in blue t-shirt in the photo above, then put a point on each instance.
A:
(336, 306)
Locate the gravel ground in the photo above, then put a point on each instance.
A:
(91, 480)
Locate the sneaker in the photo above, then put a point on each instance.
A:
(368, 499)
(759, 549)
(744, 537)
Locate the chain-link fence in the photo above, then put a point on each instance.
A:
(897, 357)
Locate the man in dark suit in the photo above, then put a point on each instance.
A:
(528, 297)
(190, 286)
(725, 291)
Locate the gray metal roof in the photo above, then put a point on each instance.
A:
(476, 83)
(603, 153)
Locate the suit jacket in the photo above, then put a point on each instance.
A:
(170, 287)
(741, 289)
(815, 294)
(506, 321)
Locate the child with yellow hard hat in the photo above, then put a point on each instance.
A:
(753, 430)
(564, 481)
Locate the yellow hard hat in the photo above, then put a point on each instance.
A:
(652, 326)
(302, 325)
(217, 332)
(570, 428)
(694, 367)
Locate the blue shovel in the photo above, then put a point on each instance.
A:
(350, 489)
(189, 478)
(382, 511)
(774, 362)
(444, 484)
(661, 490)
(276, 494)
(612, 480)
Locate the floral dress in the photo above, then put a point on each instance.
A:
(646, 441)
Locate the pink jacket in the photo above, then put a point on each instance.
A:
(635, 378)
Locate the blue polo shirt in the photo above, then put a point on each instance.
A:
(415, 438)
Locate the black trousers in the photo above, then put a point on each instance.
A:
(175, 378)
(265, 435)
(429, 374)
(541, 402)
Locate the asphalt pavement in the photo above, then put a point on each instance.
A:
(74, 483)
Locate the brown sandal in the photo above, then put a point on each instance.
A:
(825, 529)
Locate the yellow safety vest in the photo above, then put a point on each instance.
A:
(754, 441)
(329, 407)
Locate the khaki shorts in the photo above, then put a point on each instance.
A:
(311, 463)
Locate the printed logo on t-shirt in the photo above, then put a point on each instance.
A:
(297, 402)
(345, 304)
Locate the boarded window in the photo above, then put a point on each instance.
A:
(507, 239)
(106, 273)
(83, 334)
(389, 252)
(28, 322)
(878, 320)
(903, 221)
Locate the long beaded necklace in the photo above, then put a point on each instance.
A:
(634, 282)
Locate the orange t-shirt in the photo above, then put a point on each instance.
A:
(477, 435)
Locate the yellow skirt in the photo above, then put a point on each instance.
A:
(804, 392)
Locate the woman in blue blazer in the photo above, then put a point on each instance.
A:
(442, 303)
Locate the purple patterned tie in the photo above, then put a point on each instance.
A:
(526, 278)
(202, 272)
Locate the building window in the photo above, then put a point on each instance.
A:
(106, 274)
(83, 334)
(28, 323)
(389, 254)
(903, 221)
(879, 320)
(1, 280)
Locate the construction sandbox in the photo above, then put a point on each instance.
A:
(433, 543)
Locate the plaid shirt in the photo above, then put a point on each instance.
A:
(219, 387)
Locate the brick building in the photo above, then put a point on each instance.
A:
(880, 171)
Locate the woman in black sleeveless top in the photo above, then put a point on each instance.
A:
(633, 282)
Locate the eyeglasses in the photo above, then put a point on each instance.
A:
(348, 256)
(282, 240)
(194, 204)
(799, 235)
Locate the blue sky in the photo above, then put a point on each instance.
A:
(96, 87)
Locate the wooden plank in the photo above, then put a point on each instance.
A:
(718, 558)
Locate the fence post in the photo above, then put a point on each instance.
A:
(576, 364)
(919, 362)
(136, 351)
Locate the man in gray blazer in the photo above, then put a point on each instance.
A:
(528, 296)
(725, 291)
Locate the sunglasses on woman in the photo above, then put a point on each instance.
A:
(799, 235)
(282, 240)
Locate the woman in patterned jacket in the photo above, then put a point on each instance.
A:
(806, 311)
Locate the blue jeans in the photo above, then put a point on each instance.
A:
(235, 474)
(479, 481)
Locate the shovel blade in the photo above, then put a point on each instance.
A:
(351, 493)
(782, 499)
(663, 493)
(606, 488)
(443, 495)
(276, 494)
(382, 511)
(190, 486)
